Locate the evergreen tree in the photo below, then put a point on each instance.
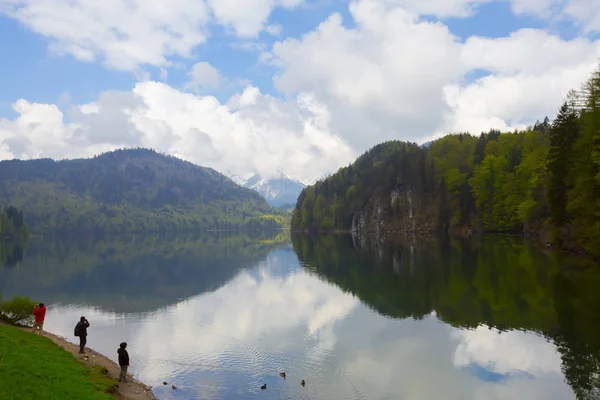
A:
(563, 134)
(584, 197)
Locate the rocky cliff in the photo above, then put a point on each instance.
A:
(402, 210)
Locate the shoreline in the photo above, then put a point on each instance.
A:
(541, 237)
(132, 390)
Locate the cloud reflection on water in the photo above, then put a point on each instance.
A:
(225, 343)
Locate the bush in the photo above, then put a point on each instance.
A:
(19, 310)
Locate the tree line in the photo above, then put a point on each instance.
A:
(542, 179)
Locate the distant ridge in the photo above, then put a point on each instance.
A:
(130, 190)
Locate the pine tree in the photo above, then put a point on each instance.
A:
(592, 121)
(590, 184)
(563, 134)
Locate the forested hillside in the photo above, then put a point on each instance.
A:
(130, 190)
(544, 179)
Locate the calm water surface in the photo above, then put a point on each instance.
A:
(220, 315)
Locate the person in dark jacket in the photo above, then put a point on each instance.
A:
(123, 361)
(81, 331)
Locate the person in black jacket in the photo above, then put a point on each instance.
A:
(123, 361)
(81, 331)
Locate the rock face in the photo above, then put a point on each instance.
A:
(403, 210)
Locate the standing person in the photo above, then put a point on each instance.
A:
(39, 311)
(123, 361)
(81, 331)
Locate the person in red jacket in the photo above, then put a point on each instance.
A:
(40, 314)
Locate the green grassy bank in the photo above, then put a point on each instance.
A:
(33, 367)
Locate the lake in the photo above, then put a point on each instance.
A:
(219, 315)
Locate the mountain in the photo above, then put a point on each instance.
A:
(543, 182)
(281, 191)
(237, 179)
(461, 183)
(130, 190)
(277, 191)
(382, 190)
(317, 178)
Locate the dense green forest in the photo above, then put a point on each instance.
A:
(131, 273)
(544, 179)
(498, 281)
(12, 223)
(130, 190)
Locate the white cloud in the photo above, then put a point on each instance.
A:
(391, 76)
(122, 34)
(529, 51)
(394, 76)
(202, 74)
(381, 80)
(530, 73)
(252, 133)
(586, 12)
(41, 124)
(247, 18)
(583, 13)
(539, 8)
(512, 101)
(127, 34)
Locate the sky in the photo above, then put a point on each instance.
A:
(305, 86)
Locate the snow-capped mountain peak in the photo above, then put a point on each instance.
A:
(284, 175)
(280, 191)
(317, 178)
(236, 178)
(283, 190)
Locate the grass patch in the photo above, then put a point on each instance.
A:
(34, 367)
(101, 381)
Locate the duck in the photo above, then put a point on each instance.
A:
(165, 383)
(303, 383)
(174, 387)
(282, 374)
(263, 387)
